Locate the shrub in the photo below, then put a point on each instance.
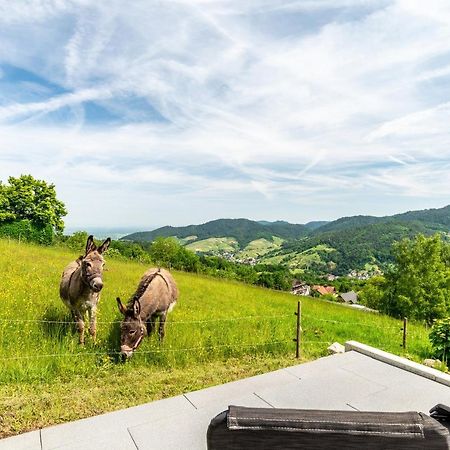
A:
(440, 338)
(25, 230)
(329, 297)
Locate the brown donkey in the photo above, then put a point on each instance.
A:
(155, 296)
(81, 283)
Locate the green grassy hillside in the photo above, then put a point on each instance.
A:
(218, 332)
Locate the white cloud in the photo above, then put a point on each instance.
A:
(355, 104)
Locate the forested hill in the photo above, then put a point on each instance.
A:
(440, 216)
(340, 246)
(360, 240)
(243, 230)
(438, 219)
(353, 248)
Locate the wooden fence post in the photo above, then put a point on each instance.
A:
(298, 334)
(405, 331)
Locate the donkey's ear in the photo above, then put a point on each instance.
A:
(90, 245)
(104, 246)
(136, 308)
(122, 308)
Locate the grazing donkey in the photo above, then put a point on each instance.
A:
(81, 283)
(155, 296)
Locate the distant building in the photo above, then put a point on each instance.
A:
(299, 288)
(323, 290)
(350, 297)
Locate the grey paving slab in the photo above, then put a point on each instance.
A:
(379, 372)
(104, 440)
(319, 389)
(413, 393)
(400, 362)
(175, 433)
(222, 394)
(185, 431)
(26, 441)
(56, 436)
(332, 362)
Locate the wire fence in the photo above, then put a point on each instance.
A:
(305, 328)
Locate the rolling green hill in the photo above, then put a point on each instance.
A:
(351, 242)
(243, 230)
(360, 240)
(47, 378)
(435, 219)
(353, 248)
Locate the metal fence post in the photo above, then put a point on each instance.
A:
(405, 330)
(298, 335)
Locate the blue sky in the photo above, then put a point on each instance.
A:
(148, 113)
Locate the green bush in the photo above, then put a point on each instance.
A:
(25, 230)
(440, 338)
(329, 297)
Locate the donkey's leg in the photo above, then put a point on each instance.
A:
(162, 326)
(80, 325)
(93, 322)
(151, 322)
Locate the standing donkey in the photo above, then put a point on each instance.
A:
(155, 296)
(81, 283)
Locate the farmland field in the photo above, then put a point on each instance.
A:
(220, 244)
(219, 331)
(260, 247)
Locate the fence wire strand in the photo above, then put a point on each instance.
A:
(144, 352)
(353, 323)
(170, 322)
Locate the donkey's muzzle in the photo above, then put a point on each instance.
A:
(97, 284)
(125, 352)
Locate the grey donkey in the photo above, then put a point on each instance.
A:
(155, 296)
(81, 283)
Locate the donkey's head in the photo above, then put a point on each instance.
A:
(132, 328)
(92, 264)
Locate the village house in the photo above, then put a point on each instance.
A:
(350, 297)
(299, 288)
(323, 290)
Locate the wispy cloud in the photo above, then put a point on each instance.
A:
(278, 104)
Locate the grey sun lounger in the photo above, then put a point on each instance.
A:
(271, 428)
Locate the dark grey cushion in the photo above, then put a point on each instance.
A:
(269, 428)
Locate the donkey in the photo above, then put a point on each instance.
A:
(81, 283)
(155, 296)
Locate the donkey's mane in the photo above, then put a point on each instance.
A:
(143, 285)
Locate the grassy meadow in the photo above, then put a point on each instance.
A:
(219, 331)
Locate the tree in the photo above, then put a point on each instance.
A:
(164, 251)
(5, 214)
(372, 294)
(418, 285)
(26, 198)
(77, 241)
(440, 338)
